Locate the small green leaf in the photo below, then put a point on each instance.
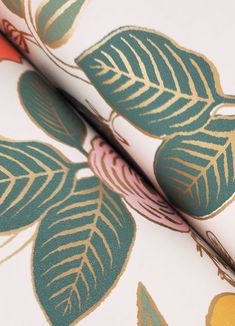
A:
(148, 313)
(197, 172)
(50, 111)
(80, 251)
(15, 6)
(33, 178)
(57, 19)
(160, 87)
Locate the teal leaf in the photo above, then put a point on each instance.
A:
(33, 178)
(57, 19)
(15, 6)
(50, 111)
(197, 172)
(148, 313)
(157, 85)
(80, 251)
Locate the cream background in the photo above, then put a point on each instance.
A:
(179, 280)
(181, 283)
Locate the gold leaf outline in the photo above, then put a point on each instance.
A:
(226, 203)
(141, 288)
(84, 133)
(213, 68)
(12, 232)
(72, 29)
(104, 297)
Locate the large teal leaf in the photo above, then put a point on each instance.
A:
(16, 6)
(148, 313)
(197, 172)
(80, 251)
(50, 111)
(57, 19)
(160, 87)
(33, 178)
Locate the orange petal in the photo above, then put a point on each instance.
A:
(7, 52)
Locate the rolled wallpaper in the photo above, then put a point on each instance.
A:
(83, 239)
(155, 80)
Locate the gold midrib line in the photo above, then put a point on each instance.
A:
(49, 98)
(32, 175)
(56, 15)
(210, 164)
(154, 85)
(53, 109)
(93, 228)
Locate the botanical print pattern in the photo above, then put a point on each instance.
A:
(85, 232)
(148, 313)
(173, 94)
(222, 310)
(163, 89)
(57, 118)
(8, 52)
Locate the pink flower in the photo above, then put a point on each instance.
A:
(122, 179)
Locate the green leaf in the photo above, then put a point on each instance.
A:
(33, 178)
(148, 313)
(15, 6)
(197, 172)
(81, 249)
(50, 111)
(56, 20)
(160, 87)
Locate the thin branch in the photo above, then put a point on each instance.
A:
(8, 240)
(52, 57)
(17, 251)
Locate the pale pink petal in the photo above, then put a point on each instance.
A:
(121, 178)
